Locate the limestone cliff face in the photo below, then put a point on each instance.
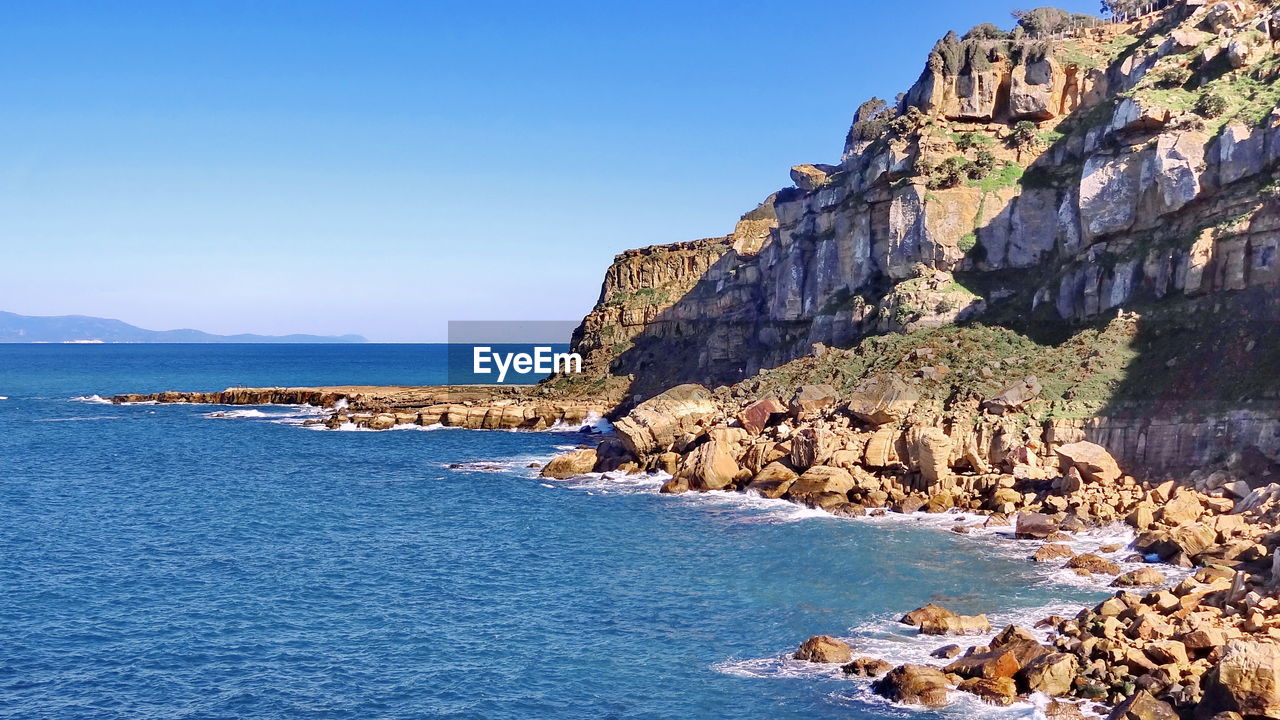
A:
(1052, 179)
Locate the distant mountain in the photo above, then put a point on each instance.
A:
(16, 328)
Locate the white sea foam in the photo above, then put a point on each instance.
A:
(4, 397)
(595, 421)
(94, 399)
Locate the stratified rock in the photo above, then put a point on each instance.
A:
(882, 399)
(711, 466)
(930, 447)
(569, 464)
(824, 649)
(1092, 460)
(823, 479)
(1247, 681)
(914, 685)
(657, 422)
(811, 176)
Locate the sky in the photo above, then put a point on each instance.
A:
(382, 168)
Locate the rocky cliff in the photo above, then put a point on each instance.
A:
(1039, 180)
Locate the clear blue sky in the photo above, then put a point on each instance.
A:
(383, 167)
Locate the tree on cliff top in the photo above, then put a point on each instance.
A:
(1046, 21)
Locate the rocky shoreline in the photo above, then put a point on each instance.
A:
(1207, 645)
(385, 407)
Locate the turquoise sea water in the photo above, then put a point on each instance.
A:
(203, 562)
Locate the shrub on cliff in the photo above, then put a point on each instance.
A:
(1211, 105)
(986, 31)
(871, 121)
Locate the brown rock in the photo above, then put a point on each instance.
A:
(1094, 564)
(991, 664)
(1142, 577)
(993, 691)
(824, 649)
(959, 625)
(1246, 680)
(946, 652)
(1142, 706)
(655, 424)
(822, 479)
(760, 414)
(929, 612)
(1053, 551)
(1014, 396)
(773, 481)
(809, 399)
(881, 399)
(711, 466)
(914, 685)
(569, 464)
(1092, 460)
(1034, 525)
(1051, 674)
(674, 486)
(867, 667)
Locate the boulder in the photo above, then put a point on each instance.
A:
(809, 399)
(958, 625)
(1035, 526)
(1142, 577)
(1143, 706)
(882, 399)
(1094, 564)
(711, 466)
(990, 664)
(929, 612)
(999, 691)
(811, 446)
(674, 486)
(1183, 509)
(773, 481)
(1051, 674)
(1053, 551)
(761, 414)
(930, 447)
(1014, 396)
(577, 462)
(1092, 460)
(824, 649)
(1246, 680)
(822, 479)
(811, 176)
(946, 652)
(914, 685)
(655, 424)
(867, 667)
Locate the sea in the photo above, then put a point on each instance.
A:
(199, 562)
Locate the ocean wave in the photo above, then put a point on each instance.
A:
(4, 397)
(92, 399)
(80, 419)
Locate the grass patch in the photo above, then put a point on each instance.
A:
(1006, 176)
